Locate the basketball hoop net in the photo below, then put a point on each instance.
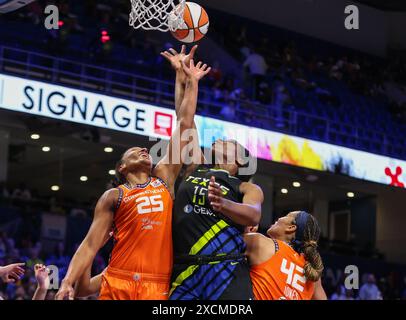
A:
(162, 15)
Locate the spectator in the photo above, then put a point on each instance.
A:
(369, 290)
(228, 111)
(257, 68)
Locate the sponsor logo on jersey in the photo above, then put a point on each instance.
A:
(188, 208)
(156, 183)
(148, 224)
(198, 210)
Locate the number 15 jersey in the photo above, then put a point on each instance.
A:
(143, 229)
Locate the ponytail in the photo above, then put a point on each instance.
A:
(314, 265)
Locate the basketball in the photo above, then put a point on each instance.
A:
(195, 26)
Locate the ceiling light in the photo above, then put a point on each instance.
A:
(284, 191)
(46, 149)
(108, 149)
(83, 178)
(112, 172)
(35, 136)
(350, 194)
(296, 184)
(55, 188)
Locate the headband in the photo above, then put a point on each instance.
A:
(301, 221)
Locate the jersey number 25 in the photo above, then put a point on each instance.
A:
(149, 204)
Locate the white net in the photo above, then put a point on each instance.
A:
(162, 15)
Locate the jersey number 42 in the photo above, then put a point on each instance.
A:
(295, 275)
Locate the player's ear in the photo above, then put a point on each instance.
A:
(291, 228)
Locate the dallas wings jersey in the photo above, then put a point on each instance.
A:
(215, 267)
(199, 230)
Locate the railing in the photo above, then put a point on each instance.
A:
(88, 77)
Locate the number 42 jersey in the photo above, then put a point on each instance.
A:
(143, 229)
(282, 276)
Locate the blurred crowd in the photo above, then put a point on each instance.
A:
(29, 256)
(386, 288)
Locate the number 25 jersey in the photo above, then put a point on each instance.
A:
(143, 229)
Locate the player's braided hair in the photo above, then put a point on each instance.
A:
(314, 264)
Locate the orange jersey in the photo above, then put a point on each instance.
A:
(282, 276)
(143, 230)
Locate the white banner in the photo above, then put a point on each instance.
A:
(84, 107)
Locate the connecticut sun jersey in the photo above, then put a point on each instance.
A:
(282, 276)
(143, 229)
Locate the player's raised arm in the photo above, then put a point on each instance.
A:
(95, 238)
(247, 213)
(169, 167)
(175, 60)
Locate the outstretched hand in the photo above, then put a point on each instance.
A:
(195, 72)
(12, 272)
(42, 276)
(65, 292)
(176, 58)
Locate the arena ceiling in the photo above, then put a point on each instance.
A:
(386, 5)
